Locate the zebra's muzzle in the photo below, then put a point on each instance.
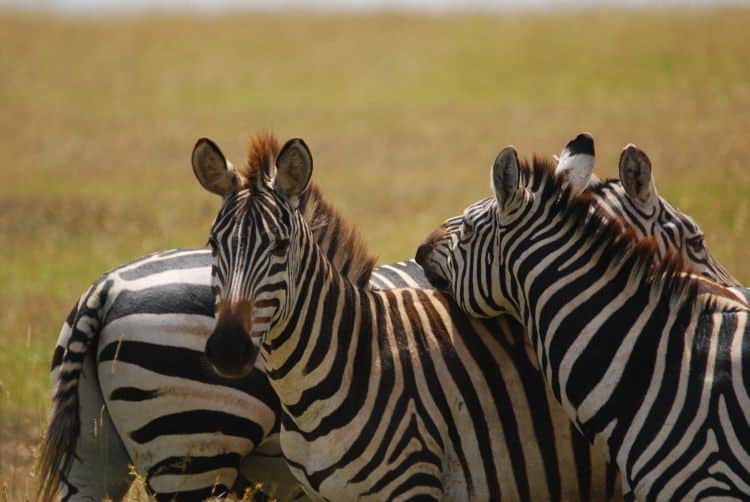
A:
(431, 270)
(229, 349)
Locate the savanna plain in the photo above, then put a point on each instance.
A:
(403, 113)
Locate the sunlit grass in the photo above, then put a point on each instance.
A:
(403, 114)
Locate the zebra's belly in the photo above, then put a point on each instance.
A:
(173, 415)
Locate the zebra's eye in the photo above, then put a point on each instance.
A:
(280, 247)
(696, 242)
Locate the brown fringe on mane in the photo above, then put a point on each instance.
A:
(344, 245)
(669, 274)
(261, 157)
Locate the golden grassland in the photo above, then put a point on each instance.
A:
(403, 114)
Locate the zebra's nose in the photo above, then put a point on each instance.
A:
(423, 252)
(229, 348)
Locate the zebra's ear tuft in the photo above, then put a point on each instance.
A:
(636, 176)
(212, 169)
(576, 163)
(506, 175)
(293, 169)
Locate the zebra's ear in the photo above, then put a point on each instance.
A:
(636, 177)
(293, 169)
(506, 174)
(213, 171)
(576, 163)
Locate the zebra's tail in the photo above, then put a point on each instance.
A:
(79, 331)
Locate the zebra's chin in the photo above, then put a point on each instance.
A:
(235, 373)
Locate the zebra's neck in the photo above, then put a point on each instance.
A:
(322, 339)
(598, 320)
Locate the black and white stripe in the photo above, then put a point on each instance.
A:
(647, 359)
(381, 397)
(158, 310)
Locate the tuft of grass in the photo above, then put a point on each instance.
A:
(403, 114)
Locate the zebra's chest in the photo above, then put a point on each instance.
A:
(373, 456)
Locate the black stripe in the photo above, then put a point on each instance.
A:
(582, 456)
(197, 422)
(194, 465)
(133, 394)
(72, 315)
(417, 479)
(200, 259)
(186, 363)
(57, 357)
(175, 298)
(462, 380)
(409, 268)
(430, 374)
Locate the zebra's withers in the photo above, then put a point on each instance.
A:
(647, 359)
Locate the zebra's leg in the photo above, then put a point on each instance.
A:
(99, 467)
(268, 466)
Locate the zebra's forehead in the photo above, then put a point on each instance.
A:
(250, 208)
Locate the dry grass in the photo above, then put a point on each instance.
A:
(403, 114)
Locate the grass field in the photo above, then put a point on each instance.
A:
(403, 115)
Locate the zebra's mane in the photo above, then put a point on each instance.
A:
(340, 240)
(668, 275)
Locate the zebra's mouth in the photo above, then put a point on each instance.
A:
(438, 281)
(233, 373)
(436, 278)
(229, 350)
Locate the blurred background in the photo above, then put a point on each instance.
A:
(404, 105)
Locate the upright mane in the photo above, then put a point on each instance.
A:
(341, 241)
(668, 275)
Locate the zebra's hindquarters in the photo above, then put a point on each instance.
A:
(186, 430)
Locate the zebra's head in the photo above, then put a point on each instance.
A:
(476, 236)
(463, 256)
(441, 254)
(636, 202)
(256, 247)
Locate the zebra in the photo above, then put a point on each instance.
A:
(124, 314)
(146, 395)
(646, 358)
(633, 200)
(361, 375)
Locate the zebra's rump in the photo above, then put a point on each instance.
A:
(182, 425)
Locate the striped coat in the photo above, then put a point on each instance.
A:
(647, 359)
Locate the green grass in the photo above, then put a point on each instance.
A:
(403, 114)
